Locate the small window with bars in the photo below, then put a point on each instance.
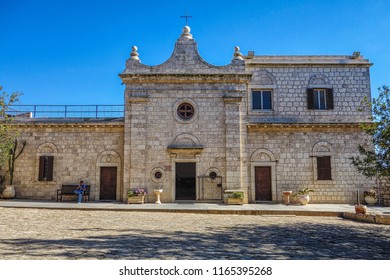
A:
(45, 168)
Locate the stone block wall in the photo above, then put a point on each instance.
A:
(79, 151)
(294, 150)
(386, 192)
(350, 85)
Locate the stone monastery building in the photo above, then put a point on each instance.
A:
(262, 124)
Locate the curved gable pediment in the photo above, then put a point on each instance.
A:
(185, 59)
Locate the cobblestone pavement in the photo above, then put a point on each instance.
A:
(72, 234)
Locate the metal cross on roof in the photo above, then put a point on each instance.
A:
(186, 16)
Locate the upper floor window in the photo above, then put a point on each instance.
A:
(262, 99)
(320, 99)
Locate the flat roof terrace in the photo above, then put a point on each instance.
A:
(65, 111)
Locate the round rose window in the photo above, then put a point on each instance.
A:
(185, 111)
(158, 175)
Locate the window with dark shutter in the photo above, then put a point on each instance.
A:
(45, 168)
(324, 170)
(320, 99)
(329, 99)
(310, 99)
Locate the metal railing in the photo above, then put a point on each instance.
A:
(66, 111)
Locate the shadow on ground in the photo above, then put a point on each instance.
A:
(305, 241)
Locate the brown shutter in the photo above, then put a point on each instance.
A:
(49, 171)
(310, 98)
(329, 99)
(324, 171)
(45, 172)
(41, 168)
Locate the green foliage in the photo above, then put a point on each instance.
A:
(137, 192)
(5, 143)
(9, 149)
(374, 158)
(130, 193)
(238, 195)
(304, 191)
(14, 152)
(371, 193)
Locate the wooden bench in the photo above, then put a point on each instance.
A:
(69, 190)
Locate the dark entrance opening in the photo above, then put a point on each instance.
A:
(185, 181)
(108, 183)
(263, 183)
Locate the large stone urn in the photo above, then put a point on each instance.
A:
(303, 199)
(9, 191)
(370, 197)
(370, 200)
(158, 192)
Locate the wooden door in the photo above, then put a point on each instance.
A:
(263, 183)
(108, 183)
(185, 181)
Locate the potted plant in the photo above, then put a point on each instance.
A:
(13, 154)
(136, 196)
(9, 148)
(236, 198)
(303, 195)
(370, 197)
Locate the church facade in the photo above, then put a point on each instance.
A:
(262, 124)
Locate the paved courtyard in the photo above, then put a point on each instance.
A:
(74, 234)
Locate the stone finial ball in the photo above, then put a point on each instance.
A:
(186, 29)
(236, 48)
(134, 48)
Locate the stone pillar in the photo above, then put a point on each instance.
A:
(233, 142)
(135, 143)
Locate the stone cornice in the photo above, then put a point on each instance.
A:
(303, 125)
(185, 78)
(305, 61)
(174, 150)
(302, 65)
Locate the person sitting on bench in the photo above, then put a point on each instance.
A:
(80, 191)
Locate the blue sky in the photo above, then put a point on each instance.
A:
(71, 52)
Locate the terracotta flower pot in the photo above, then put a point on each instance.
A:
(360, 209)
